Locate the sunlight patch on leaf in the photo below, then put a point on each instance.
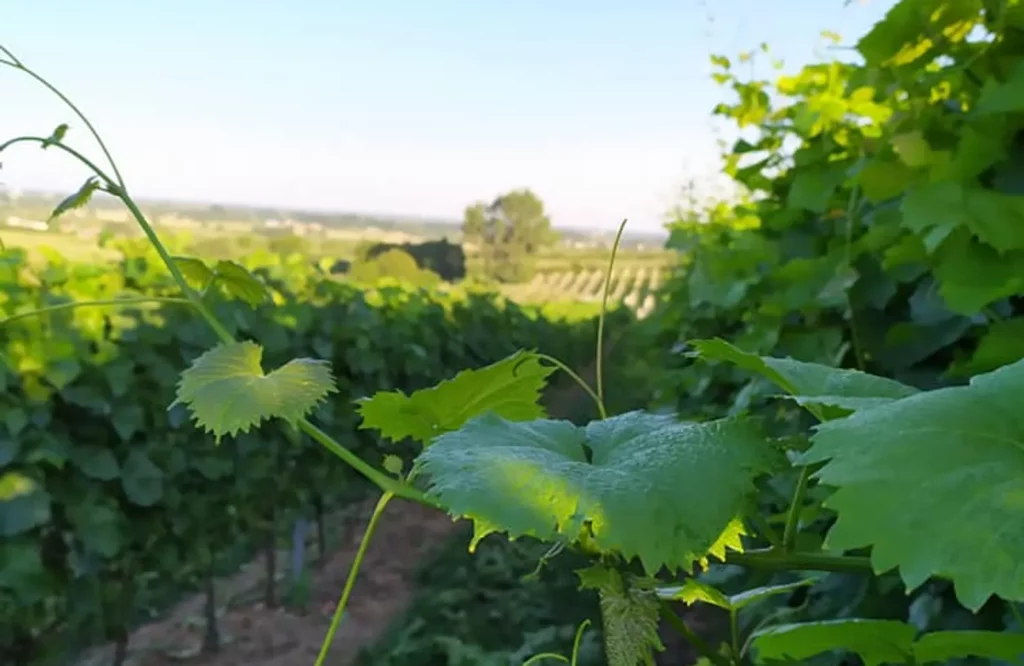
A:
(643, 485)
(509, 388)
(227, 391)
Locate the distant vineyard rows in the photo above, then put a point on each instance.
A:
(633, 286)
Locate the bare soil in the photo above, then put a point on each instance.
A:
(254, 635)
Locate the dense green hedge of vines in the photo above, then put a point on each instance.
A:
(883, 229)
(134, 504)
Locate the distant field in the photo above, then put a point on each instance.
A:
(69, 246)
(633, 284)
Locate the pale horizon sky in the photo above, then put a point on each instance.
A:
(394, 107)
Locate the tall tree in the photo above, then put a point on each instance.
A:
(508, 231)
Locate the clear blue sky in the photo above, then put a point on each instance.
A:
(396, 106)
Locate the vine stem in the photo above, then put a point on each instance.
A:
(18, 65)
(110, 302)
(116, 188)
(693, 639)
(339, 612)
(604, 310)
(790, 531)
(537, 658)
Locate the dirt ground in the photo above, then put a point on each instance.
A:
(254, 635)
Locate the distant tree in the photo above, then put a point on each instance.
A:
(393, 263)
(508, 232)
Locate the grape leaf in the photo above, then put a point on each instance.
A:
(141, 480)
(95, 462)
(56, 137)
(994, 217)
(645, 485)
(194, 270)
(972, 274)
(80, 198)
(693, 591)
(933, 483)
(811, 384)
(945, 646)
(240, 282)
(876, 641)
(509, 388)
(227, 392)
(629, 615)
(1001, 344)
(22, 508)
(13, 484)
(1004, 97)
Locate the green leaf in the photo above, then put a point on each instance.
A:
(23, 509)
(972, 274)
(813, 189)
(811, 383)
(128, 420)
(77, 200)
(195, 270)
(912, 148)
(227, 392)
(13, 484)
(1002, 97)
(881, 180)
(932, 483)
(141, 479)
(509, 388)
(240, 283)
(629, 614)
(56, 137)
(97, 526)
(693, 591)
(1001, 345)
(95, 462)
(22, 570)
(876, 641)
(634, 482)
(945, 646)
(936, 209)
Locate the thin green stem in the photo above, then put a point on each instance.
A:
(378, 478)
(604, 310)
(790, 531)
(579, 380)
(734, 633)
(339, 612)
(67, 149)
(537, 658)
(579, 639)
(111, 302)
(698, 643)
(17, 64)
(770, 559)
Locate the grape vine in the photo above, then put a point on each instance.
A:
(902, 197)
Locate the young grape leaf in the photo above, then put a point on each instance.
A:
(643, 485)
(838, 391)
(945, 646)
(876, 641)
(56, 137)
(933, 484)
(227, 392)
(77, 200)
(509, 388)
(194, 270)
(693, 591)
(240, 282)
(629, 614)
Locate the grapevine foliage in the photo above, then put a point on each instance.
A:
(228, 393)
(633, 482)
(509, 388)
(952, 460)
